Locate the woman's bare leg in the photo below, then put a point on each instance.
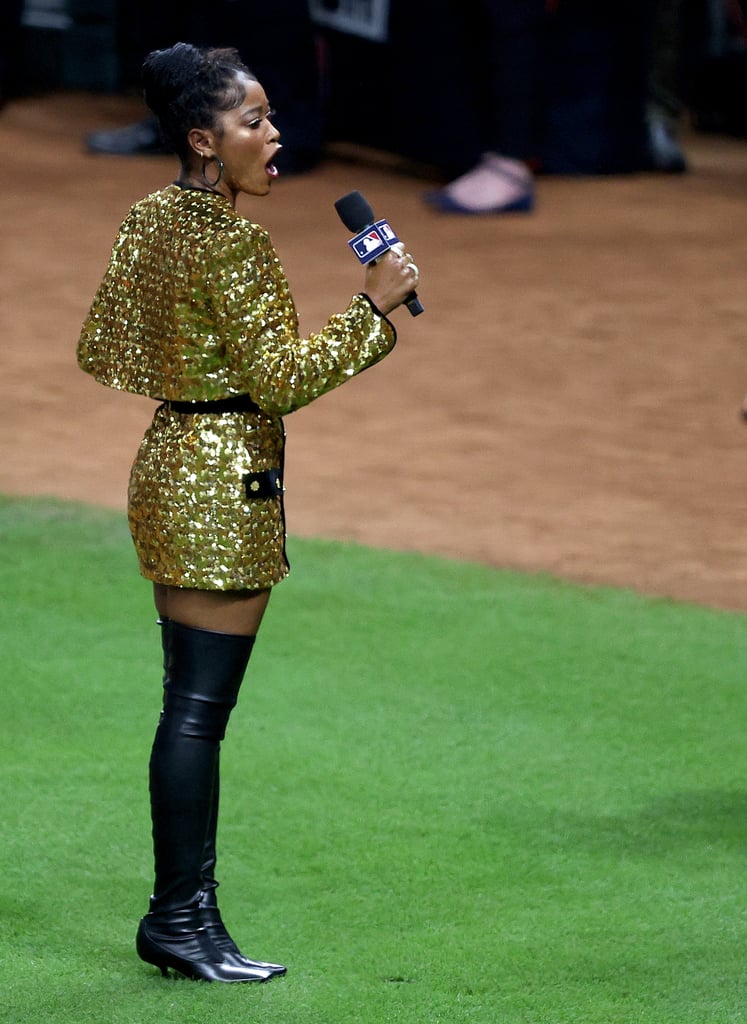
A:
(223, 611)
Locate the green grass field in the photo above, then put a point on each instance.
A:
(451, 794)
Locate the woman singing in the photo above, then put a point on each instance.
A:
(195, 312)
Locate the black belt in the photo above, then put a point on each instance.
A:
(237, 403)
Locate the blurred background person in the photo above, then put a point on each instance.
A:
(564, 86)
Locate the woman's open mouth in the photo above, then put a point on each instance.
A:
(272, 171)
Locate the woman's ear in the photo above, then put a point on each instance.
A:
(201, 142)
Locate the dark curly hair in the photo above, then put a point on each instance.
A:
(186, 86)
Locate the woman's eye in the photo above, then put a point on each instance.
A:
(258, 120)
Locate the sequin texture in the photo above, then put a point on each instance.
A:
(195, 306)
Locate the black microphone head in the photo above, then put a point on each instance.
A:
(354, 211)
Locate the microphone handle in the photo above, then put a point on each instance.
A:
(413, 303)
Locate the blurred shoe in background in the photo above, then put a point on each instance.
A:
(140, 139)
(663, 152)
(496, 185)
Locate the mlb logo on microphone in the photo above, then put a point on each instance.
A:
(373, 241)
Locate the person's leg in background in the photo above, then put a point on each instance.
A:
(10, 44)
(664, 103)
(141, 28)
(505, 39)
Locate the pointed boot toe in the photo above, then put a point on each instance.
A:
(184, 946)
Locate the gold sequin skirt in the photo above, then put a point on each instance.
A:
(206, 500)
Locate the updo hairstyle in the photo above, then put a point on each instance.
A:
(186, 86)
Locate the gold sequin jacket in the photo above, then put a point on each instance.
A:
(195, 306)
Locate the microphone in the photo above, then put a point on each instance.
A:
(371, 238)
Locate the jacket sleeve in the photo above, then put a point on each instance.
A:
(258, 321)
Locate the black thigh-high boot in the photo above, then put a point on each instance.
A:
(209, 912)
(204, 670)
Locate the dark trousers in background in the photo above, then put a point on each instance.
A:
(502, 49)
(10, 48)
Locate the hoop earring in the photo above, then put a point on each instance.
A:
(212, 184)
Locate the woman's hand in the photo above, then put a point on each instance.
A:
(391, 278)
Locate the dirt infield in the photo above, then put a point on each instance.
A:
(567, 403)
